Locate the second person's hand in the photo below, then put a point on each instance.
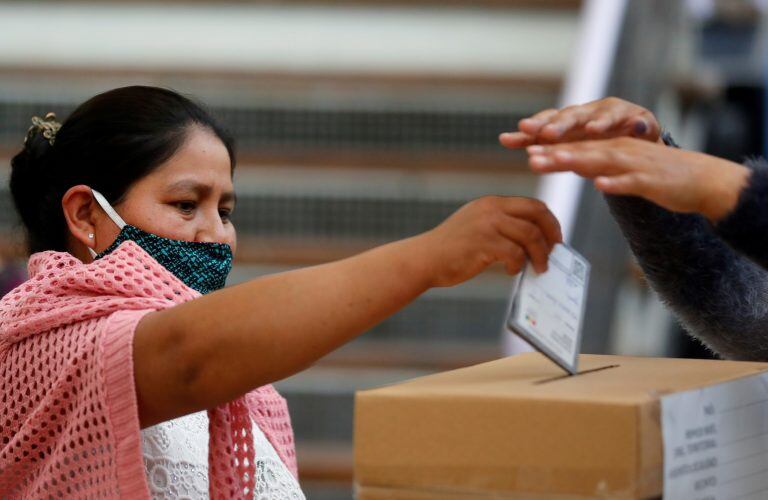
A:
(602, 119)
(678, 180)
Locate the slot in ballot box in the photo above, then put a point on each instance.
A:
(519, 427)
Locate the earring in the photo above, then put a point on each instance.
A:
(90, 236)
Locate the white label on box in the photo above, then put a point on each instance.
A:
(547, 309)
(716, 441)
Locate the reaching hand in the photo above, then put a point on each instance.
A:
(678, 180)
(604, 119)
(490, 229)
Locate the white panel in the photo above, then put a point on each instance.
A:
(287, 38)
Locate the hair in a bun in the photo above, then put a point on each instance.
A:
(108, 143)
(28, 168)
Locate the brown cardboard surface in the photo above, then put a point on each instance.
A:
(517, 425)
(374, 493)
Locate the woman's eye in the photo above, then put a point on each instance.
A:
(225, 214)
(186, 207)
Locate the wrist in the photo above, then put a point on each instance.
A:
(727, 186)
(417, 261)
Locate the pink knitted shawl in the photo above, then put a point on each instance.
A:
(69, 422)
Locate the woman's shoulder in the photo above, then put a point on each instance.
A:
(62, 290)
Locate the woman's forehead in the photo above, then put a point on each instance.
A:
(202, 161)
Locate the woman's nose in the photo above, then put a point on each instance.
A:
(212, 230)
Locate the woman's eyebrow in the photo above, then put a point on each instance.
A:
(188, 185)
(200, 189)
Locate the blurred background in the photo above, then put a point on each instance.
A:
(364, 121)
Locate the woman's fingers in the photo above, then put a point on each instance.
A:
(568, 124)
(603, 119)
(643, 125)
(588, 159)
(512, 255)
(515, 140)
(537, 213)
(533, 124)
(598, 125)
(654, 129)
(607, 121)
(588, 164)
(633, 184)
(621, 120)
(529, 236)
(514, 264)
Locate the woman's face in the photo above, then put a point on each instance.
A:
(189, 197)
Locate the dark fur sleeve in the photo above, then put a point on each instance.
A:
(746, 228)
(720, 295)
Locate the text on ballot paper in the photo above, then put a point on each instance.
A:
(548, 308)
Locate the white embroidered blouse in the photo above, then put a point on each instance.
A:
(176, 459)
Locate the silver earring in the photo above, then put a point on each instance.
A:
(90, 236)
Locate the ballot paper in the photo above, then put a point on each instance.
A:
(547, 309)
(716, 441)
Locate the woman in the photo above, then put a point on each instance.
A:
(122, 325)
(697, 224)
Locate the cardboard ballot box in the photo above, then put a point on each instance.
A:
(520, 428)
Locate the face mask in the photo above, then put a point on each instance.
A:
(201, 266)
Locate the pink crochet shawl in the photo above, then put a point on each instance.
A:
(69, 422)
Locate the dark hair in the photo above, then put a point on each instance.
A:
(108, 143)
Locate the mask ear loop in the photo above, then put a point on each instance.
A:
(111, 213)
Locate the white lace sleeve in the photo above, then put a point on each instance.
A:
(176, 460)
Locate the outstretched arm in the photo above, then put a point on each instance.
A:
(670, 203)
(696, 223)
(719, 295)
(208, 351)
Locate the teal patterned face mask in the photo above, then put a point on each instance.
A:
(201, 266)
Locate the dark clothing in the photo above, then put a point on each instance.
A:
(715, 278)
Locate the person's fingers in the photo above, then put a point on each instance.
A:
(568, 124)
(530, 237)
(585, 164)
(604, 119)
(512, 255)
(632, 184)
(637, 123)
(598, 125)
(536, 212)
(643, 126)
(533, 124)
(608, 119)
(605, 122)
(584, 121)
(514, 140)
(588, 159)
(514, 265)
(617, 118)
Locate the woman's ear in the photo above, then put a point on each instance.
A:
(82, 214)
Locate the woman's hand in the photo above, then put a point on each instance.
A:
(678, 180)
(487, 230)
(603, 119)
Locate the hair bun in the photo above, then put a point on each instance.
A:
(47, 126)
(40, 137)
(28, 169)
